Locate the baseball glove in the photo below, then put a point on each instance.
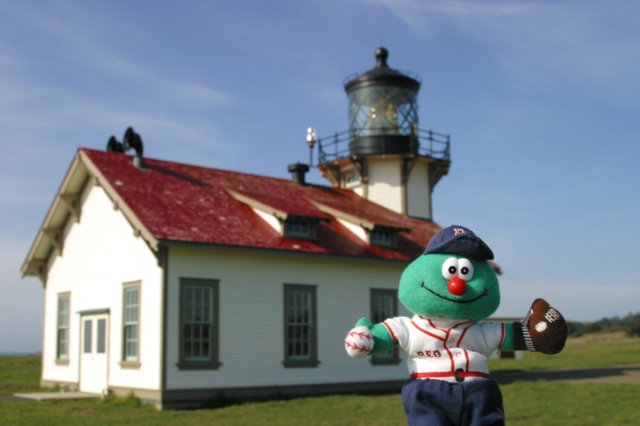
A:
(544, 329)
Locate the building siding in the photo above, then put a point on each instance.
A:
(100, 254)
(251, 316)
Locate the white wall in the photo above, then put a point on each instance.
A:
(418, 190)
(251, 316)
(357, 230)
(100, 254)
(384, 185)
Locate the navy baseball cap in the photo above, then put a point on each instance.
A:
(459, 240)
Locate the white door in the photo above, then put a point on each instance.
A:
(94, 350)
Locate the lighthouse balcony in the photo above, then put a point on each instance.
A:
(382, 141)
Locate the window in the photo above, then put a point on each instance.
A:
(384, 304)
(383, 237)
(300, 228)
(88, 329)
(62, 337)
(131, 322)
(300, 329)
(102, 334)
(351, 179)
(199, 324)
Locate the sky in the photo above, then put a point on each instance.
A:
(541, 99)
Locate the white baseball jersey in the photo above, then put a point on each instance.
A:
(444, 349)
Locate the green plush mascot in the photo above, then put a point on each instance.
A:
(450, 289)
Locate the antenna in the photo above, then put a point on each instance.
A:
(311, 141)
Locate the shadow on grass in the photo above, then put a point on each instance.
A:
(621, 374)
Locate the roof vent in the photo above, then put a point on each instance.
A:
(298, 172)
(131, 140)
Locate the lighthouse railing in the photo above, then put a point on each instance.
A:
(428, 143)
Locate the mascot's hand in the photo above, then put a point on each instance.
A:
(544, 329)
(365, 322)
(359, 342)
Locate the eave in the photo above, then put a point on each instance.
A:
(280, 214)
(66, 206)
(359, 221)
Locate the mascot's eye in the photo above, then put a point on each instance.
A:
(450, 268)
(465, 269)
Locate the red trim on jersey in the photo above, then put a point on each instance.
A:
(442, 374)
(443, 330)
(463, 333)
(502, 336)
(463, 322)
(466, 355)
(428, 333)
(393, 335)
(433, 325)
(453, 363)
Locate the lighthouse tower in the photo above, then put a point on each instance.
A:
(384, 156)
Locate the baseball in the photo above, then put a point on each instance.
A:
(541, 326)
(359, 342)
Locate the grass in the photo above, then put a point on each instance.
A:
(537, 403)
(19, 374)
(526, 403)
(592, 350)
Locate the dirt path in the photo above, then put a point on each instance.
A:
(629, 374)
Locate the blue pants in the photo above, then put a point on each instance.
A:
(437, 402)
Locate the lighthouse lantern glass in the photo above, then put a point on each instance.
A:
(383, 110)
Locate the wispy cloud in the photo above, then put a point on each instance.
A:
(423, 16)
(536, 42)
(84, 47)
(45, 116)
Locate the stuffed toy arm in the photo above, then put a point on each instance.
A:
(544, 329)
(367, 338)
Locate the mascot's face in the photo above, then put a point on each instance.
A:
(450, 286)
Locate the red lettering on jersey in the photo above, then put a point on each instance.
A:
(430, 354)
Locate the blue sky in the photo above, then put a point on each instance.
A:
(540, 99)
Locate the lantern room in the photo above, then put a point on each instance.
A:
(383, 113)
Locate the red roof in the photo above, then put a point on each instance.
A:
(185, 203)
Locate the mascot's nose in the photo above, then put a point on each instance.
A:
(457, 286)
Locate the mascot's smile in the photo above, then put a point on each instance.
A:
(484, 293)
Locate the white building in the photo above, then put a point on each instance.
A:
(187, 286)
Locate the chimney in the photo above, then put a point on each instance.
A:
(298, 172)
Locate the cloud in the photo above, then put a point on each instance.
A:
(105, 78)
(593, 47)
(45, 114)
(423, 16)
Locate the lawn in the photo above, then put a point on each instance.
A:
(536, 403)
(591, 350)
(19, 374)
(526, 403)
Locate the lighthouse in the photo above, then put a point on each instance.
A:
(385, 156)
